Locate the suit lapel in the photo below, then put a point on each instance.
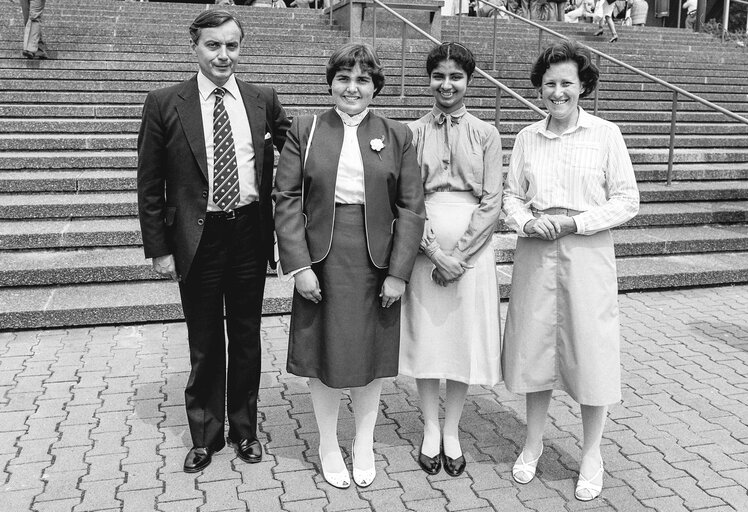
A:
(255, 108)
(192, 123)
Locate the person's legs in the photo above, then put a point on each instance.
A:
(365, 401)
(33, 30)
(428, 392)
(590, 466)
(612, 27)
(537, 412)
(326, 403)
(455, 400)
(244, 284)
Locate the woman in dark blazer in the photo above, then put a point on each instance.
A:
(349, 218)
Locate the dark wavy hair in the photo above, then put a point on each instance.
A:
(454, 51)
(566, 51)
(348, 55)
(210, 19)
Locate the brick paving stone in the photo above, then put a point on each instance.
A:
(736, 496)
(142, 450)
(666, 504)
(25, 477)
(256, 477)
(504, 499)
(459, 494)
(34, 450)
(638, 479)
(266, 500)
(340, 500)
(115, 402)
(142, 429)
(221, 495)
(693, 497)
(301, 485)
(141, 476)
(74, 435)
(55, 506)
(717, 459)
(99, 495)
(221, 468)
(294, 458)
(416, 485)
(69, 459)
(389, 500)
(111, 422)
(305, 505)
(61, 485)
(178, 487)
(657, 467)
(108, 443)
(141, 500)
(104, 468)
(18, 500)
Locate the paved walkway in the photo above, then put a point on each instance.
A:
(93, 419)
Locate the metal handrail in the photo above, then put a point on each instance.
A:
(676, 90)
(500, 87)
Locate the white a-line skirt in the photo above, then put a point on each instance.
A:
(562, 327)
(452, 332)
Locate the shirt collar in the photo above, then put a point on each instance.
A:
(440, 116)
(352, 120)
(206, 87)
(583, 121)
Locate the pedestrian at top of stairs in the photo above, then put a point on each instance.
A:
(34, 46)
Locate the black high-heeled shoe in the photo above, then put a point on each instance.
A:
(453, 467)
(599, 32)
(431, 465)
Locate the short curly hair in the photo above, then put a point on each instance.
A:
(451, 51)
(348, 55)
(567, 51)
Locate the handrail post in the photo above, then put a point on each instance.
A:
(497, 111)
(402, 60)
(680, 8)
(597, 64)
(726, 19)
(540, 40)
(459, 21)
(672, 139)
(374, 25)
(495, 21)
(331, 13)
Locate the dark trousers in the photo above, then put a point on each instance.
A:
(228, 269)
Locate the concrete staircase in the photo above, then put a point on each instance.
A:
(69, 238)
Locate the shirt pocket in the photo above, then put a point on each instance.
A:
(586, 162)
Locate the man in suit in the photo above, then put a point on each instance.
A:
(205, 171)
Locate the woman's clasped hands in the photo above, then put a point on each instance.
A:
(307, 285)
(448, 268)
(551, 227)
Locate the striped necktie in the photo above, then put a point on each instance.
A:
(225, 172)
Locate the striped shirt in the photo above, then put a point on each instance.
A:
(587, 168)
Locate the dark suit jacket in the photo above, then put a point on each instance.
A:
(394, 210)
(173, 172)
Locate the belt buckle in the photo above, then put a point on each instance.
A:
(230, 215)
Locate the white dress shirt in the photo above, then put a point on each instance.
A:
(245, 153)
(587, 168)
(349, 185)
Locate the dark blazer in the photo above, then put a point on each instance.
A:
(394, 210)
(173, 172)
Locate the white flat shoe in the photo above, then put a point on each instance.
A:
(522, 468)
(362, 477)
(588, 490)
(341, 480)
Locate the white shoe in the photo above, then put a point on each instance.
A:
(522, 468)
(588, 490)
(341, 480)
(362, 477)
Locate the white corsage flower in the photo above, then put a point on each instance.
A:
(377, 145)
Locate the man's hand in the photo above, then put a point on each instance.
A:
(392, 289)
(307, 285)
(164, 266)
(551, 227)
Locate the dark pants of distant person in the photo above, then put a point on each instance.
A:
(32, 18)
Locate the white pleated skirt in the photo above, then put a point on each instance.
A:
(452, 332)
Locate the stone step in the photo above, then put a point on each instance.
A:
(144, 301)
(56, 126)
(67, 181)
(70, 233)
(117, 264)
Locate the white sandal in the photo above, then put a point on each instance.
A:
(525, 467)
(584, 484)
(341, 480)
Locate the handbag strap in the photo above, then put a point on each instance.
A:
(306, 155)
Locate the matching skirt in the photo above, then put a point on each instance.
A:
(452, 332)
(348, 339)
(562, 327)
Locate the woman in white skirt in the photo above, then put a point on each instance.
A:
(450, 314)
(570, 180)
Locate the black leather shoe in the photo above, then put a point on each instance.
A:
(431, 465)
(197, 459)
(248, 450)
(454, 467)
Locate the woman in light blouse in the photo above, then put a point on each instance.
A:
(349, 214)
(450, 326)
(570, 180)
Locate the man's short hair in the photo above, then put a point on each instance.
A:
(567, 51)
(348, 55)
(210, 19)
